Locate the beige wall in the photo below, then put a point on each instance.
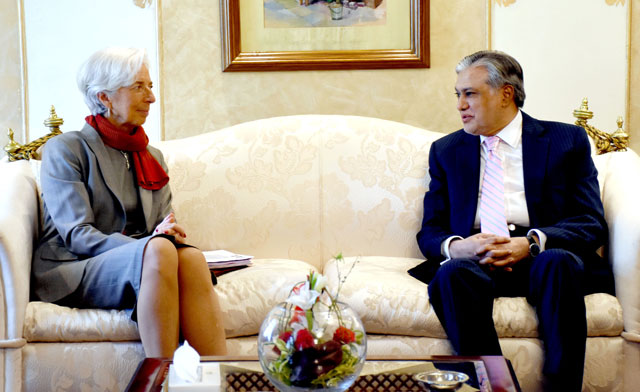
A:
(198, 96)
(540, 35)
(634, 79)
(10, 74)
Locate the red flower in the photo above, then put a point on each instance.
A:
(285, 336)
(296, 288)
(298, 315)
(344, 335)
(304, 339)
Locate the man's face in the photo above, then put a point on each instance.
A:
(480, 105)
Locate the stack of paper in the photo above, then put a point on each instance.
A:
(218, 259)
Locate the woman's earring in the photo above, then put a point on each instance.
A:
(108, 112)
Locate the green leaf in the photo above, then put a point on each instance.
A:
(282, 345)
(335, 375)
(309, 314)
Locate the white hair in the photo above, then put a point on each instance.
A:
(106, 71)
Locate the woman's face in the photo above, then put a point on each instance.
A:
(129, 106)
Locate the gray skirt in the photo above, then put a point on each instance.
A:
(111, 280)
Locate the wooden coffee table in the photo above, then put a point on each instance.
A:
(152, 372)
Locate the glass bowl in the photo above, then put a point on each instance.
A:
(333, 354)
(442, 380)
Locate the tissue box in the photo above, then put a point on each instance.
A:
(209, 380)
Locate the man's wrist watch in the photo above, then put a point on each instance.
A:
(534, 248)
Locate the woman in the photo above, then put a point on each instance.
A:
(110, 239)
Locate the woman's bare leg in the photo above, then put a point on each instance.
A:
(200, 314)
(158, 303)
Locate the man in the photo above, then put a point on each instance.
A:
(513, 209)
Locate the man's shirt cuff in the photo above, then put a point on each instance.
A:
(444, 247)
(542, 237)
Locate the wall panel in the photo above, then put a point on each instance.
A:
(569, 50)
(633, 125)
(11, 111)
(199, 97)
(61, 35)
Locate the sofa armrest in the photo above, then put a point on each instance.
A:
(620, 197)
(19, 226)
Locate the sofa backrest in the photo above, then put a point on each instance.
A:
(303, 187)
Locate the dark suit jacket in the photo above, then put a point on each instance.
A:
(560, 182)
(83, 216)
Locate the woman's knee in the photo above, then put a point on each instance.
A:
(160, 255)
(191, 261)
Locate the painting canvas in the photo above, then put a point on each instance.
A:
(322, 13)
(292, 35)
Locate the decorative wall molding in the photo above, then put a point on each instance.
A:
(146, 3)
(615, 2)
(506, 3)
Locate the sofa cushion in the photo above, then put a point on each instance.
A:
(246, 296)
(514, 317)
(390, 301)
(45, 322)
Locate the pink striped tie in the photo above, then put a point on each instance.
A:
(492, 209)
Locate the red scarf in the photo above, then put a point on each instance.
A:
(149, 172)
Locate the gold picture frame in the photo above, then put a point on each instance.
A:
(235, 59)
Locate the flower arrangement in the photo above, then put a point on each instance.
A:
(311, 340)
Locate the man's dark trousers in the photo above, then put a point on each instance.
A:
(462, 294)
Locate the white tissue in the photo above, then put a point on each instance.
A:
(186, 362)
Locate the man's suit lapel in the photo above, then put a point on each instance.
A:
(467, 181)
(535, 152)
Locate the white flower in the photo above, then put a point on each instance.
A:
(321, 283)
(300, 324)
(304, 298)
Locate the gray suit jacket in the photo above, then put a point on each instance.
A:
(83, 216)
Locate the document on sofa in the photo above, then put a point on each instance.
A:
(218, 259)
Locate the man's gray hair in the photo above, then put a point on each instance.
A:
(106, 71)
(502, 70)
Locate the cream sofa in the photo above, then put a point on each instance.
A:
(293, 191)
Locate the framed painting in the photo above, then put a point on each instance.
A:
(291, 35)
